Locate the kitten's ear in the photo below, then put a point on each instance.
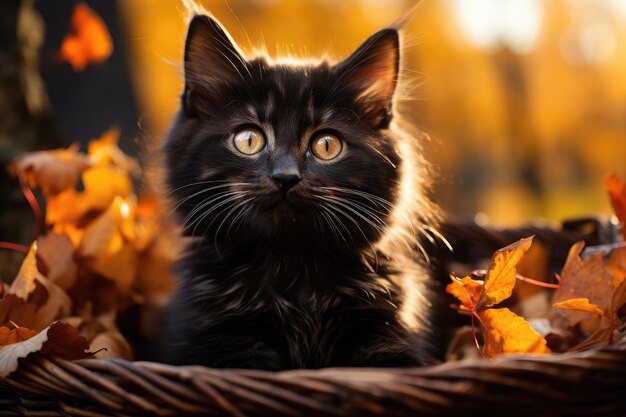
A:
(372, 70)
(211, 59)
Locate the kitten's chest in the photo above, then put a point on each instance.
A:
(311, 331)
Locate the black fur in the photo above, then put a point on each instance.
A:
(297, 279)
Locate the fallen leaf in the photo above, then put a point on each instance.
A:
(102, 184)
(111, 344)
(466, 290)
(59, 340)
(500, 278)
(90, 41)
(105, 150)
(107, 249)
(52, 171)
(504, 332)
(56, 252)
(43, 300)
(580, 304)
(583, 279)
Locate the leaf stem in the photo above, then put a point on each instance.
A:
(14, 246)
(474, 314)
(34, 205)
(538, 283)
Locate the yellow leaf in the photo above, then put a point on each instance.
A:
(580, 304)
(500, 278)
(105, 150)
(506, 332)
(466, 290)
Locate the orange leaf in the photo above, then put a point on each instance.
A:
(105, 150)
(500, 278)
(617, 194)
(90, 41)
(506, 332)
(59, 340)
(466, 290)
(52, 171)
(580, 304)
(42, 301)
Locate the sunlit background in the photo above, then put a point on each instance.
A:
(524, 100)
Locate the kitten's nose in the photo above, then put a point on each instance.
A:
(285, 172)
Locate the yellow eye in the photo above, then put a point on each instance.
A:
(249, 141)
(326, 146)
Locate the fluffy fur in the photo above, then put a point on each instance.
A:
(327, 273)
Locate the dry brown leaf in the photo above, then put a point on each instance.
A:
(580, 304)
(506, 332)
(56, 252)
(52, 171)
(583, 279)
(500, 278)
(59, 340)
(111, 344)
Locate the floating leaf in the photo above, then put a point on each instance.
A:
(90, 41)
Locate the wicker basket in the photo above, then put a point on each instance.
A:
(584, 383)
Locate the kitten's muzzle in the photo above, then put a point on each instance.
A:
(285, 172)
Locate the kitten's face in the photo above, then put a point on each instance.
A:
(289, 153)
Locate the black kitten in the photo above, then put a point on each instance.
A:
(304, 197)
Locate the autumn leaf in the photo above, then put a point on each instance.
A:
(583, 279)
(89, 42)
(466, 290)
(503, 331)
(500, 278)
(59, 340)
(506, 332)
(101, 183)
(56, 252)
(617, 195)
(53, 171)
(106, 246)
(33, 301)
(105, 150)
(580, 304)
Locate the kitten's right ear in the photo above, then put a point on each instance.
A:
(211, 60)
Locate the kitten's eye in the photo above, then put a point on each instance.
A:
(249, 141)
(326, 146)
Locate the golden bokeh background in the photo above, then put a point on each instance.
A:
(524, 100)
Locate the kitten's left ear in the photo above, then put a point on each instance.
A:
(372, 70)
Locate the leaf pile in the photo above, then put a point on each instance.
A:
(101, 251)
(588, 303)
